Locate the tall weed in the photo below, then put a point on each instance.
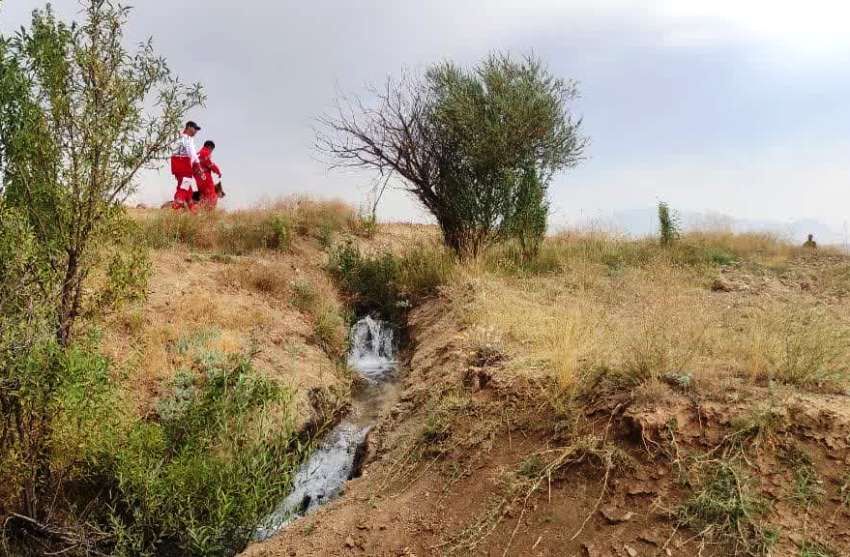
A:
(196, 478)
(801, 346)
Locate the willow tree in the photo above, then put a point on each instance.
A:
(478, 148)
(81, 116)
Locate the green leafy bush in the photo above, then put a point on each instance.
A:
(30, 369)
(198, 478)
(372, 281)
(668, 224)
(77, 126)
(388, 284)
(195, 478)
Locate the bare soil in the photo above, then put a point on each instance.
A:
(475, 460)
(200, 301)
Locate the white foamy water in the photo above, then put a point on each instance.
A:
(321, 478)
(372, 349)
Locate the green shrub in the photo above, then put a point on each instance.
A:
(719, 256)
(668, 225)
(30, 366)
(325, 235)
(127, 276)
(372, 281)
(281, 233)
(197, 479)
(386, 283)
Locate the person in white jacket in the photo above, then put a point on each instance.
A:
(185, 165)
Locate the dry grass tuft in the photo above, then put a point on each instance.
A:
(272, 226)
(270, 278)
(314, 295)
(795, 345)
(245, 301)
(632, 312)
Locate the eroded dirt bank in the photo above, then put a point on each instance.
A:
(475, 460)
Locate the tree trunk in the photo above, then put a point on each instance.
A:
(69, 301)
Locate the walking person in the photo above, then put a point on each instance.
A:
(206, 186)
(185, 166)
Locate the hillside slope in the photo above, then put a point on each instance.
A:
(615, 400)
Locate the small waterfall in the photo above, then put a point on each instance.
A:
(372, 351)
(322, 477)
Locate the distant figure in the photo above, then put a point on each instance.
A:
(206, 186)
(186, 167)
(810, 243)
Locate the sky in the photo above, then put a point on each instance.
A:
(737, 108)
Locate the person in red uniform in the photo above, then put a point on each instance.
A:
(186, 167)
(206, 185)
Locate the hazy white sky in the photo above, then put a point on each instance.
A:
(728, 106)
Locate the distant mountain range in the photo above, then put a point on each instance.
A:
(643, 222)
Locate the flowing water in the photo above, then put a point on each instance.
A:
(322, 476)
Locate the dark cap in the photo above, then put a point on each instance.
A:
(191, 124)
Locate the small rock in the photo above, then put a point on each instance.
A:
(590, 550)
(616, 516)
(630, 550)
(721, 285)
(640, 489)
(349, 542)
(651, 538)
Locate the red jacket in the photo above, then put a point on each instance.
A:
(207, 163)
